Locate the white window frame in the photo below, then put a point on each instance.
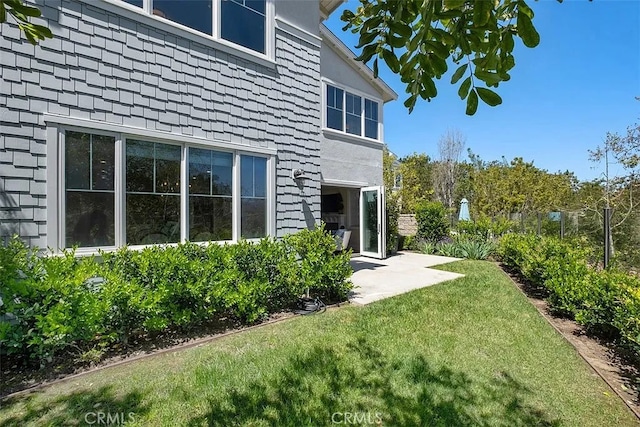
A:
(364, 96)
(146, 12)
(56, 209)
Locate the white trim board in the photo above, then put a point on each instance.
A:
(156, 134)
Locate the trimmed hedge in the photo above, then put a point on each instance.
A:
(53, 304)
(607, 302)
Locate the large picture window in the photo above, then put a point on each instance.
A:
(89, 190)
(253, 183)
(346, 112)
(243, 22)
(125, 190)
(210, 195)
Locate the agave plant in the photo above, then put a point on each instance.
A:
(475, 249)
(449, 249)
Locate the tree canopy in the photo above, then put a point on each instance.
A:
(419, 39)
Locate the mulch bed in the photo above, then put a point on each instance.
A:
(619, 368)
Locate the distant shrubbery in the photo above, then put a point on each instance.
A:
(604, 301)
(56, 303)
(433, 224)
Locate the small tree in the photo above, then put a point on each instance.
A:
(433, 225)
(450, 147)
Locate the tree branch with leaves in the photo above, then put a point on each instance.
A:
(22, 14)
(418, 38)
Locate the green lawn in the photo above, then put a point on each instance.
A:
(468, 352)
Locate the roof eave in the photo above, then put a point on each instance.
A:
(339, 47)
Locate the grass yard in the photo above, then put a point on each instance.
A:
(468, 352)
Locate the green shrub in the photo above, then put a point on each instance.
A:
(485, 228)
(315, 249)
(392, 214)
(56, 303)
(410, 243)
(433, 224)
(607, 302)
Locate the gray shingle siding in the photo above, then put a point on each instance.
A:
(106, 67)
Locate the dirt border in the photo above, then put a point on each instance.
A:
(181, 346)
(613, 377)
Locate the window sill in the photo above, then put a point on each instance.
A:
(138, 15)
(353, 138)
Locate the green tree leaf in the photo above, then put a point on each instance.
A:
(459, 73)
(482, 12)
(489, 97)
(391, 60)
(472, 103)
(527, 31)
(454, 4)
(463, 91)
(401, 28)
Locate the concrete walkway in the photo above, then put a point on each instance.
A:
(377, 279)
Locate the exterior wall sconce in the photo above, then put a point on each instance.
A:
(298, 174)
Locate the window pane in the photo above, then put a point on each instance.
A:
(246, 176)
(194, 14)
(354, 114)
(77, 160)
(253, 209)
(371, 119)
(134, 2)
(140, 166)
(244, 24)
(222, 173)
(370, 109)
(354, 124)
(89, 220)
(199, 171)
(210, 218)
(354, 104)
(254, 218)
(334, 97)
(103, 162)
(153, 219)
(334, 118)
(371, 129)
(260, 177)
(334, 108)
(167, 168)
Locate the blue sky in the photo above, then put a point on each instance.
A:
(562, 99)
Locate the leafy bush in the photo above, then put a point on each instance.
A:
(410, 243)
(433, 224)
(484, 228)
(607, 301)
(55, 303)
(392, 214)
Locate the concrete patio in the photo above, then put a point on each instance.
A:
(376, 279)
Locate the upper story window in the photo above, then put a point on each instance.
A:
(252, 15)
(242, 22)
(351, 113)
